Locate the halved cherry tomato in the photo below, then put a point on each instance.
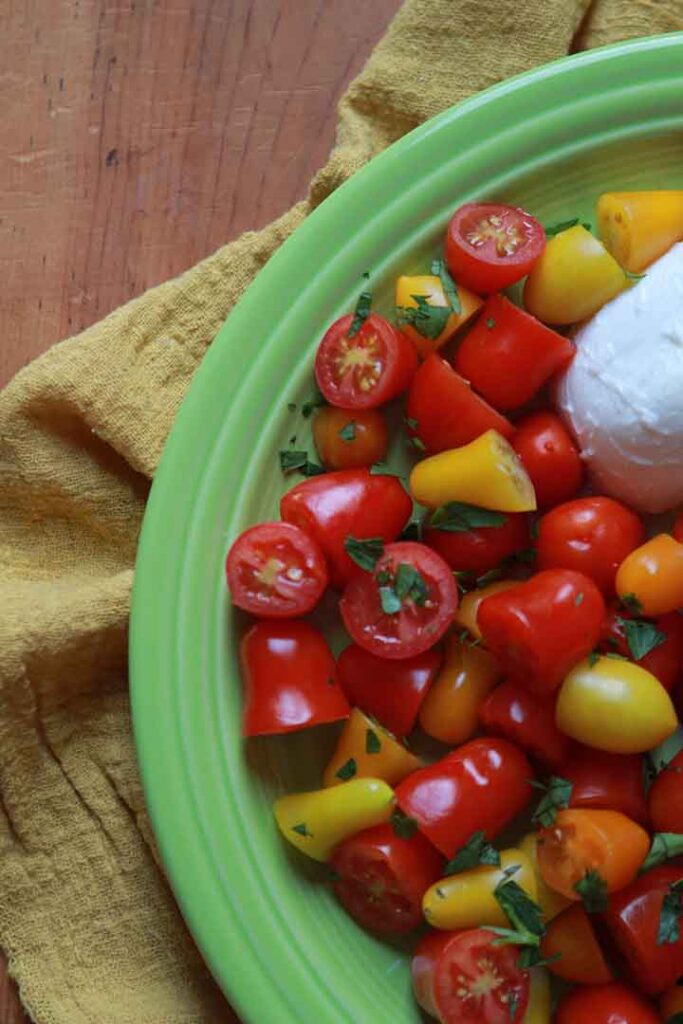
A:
(477, 981)
(539, 629)
(450, 710)
(590, 535)
(665, 798)
(365, 749)
(665, 660)
(509, 355)
(490, 246)
(614, 1003)
(584, 840)
(549, 456)
(276, 569)
(430, 287)
(429, 949)
(382, 878)
(366, 369)
(633, 920)
(528, 720)
(612, 782)
(479, 548)
(571, 938)
(483, 784)
(404, 606)
(348, 503)
(290, 678)
(653, 574)
(346, 440)
(444, 412)
(638, 227)
(390, 691)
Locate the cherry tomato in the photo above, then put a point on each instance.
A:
(483, 784)
(429, 949)
(590, 535)
(605, 1004)
(477, 981)
(653, 574)
(509, 355)
(348, 503)
(550, 457)
(289, 678)
(638, 227)
(390, 691)
(571, 938)
(365, 369)
(633, 921)
(450, 710)
(528, 720)
(612, 782)
(382, 878)
(444, 412)
(539, 629)
(665, 798)
(490, 246)
(276, 569)
(663, 661)
(404, 606)
(584, 840)
(482, 547)
(347, 440)
(467, 615)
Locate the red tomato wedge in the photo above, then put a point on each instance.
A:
(480, 548)
(490, 246)
(477, 981)
(365, 369)
(275, 570)
(404, 606)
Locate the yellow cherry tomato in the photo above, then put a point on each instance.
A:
(486, 472)
(365, 749)
(653, 574)
(539, 1007)
(573, 278)
(615, 705)
(450, 710)
(466, 900)
(639, 227)
(431, 287)
(550, 902)
(671, 1002)
(346, 440)
(468, 609)
(318, 821)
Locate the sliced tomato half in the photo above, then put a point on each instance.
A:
(490, 246)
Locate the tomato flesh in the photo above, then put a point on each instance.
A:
(477, 982)
(490, 246)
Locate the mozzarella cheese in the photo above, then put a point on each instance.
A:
(622, 395)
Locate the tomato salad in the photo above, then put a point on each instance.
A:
(500, 603)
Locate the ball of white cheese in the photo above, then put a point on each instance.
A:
(622, 395)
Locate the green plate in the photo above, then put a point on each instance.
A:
(550, 140)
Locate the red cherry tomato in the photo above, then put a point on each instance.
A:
(589, 535)
(390, 691)
(404, 606)
(605, 1004)
(509, 355)
(481, 548)
(528, 720)
(289, 678)
(665, 798)
(476, 981)
(383, 877)
(550, 457)
(276, 569)
(664, 660)
(633, 920)
(428, 951)
(446, 412)
(366, 370)
(484, 784)
(610, 782)
(348, 503)
(538, 630)
(490, 246)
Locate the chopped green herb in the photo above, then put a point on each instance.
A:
(347, 770)
(362, 311)
(413, 531)
(556, 796)
(311, 404)
(564, 225)
(592, 889)
(365, 552)
(429, 321)
(578, 600)
(373, 743)
(531, 956)
(521, 911)
(490, 323)
(664, 846)
(403, 826)
(389, 600)
(641, 636)
(440, 270)
(513, 1005)
(291, 406)
(475, 851)
(416, 443)
(410, 584)
(457, 517)
(631, 603)
(302, 830)
(411, 423)
(669, 931)
(593, 658)
(381, 469)
(294, 459)
(348, 432)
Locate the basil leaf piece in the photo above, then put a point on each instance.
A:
(429, 321)
(457, 517)
(450, 288)
(348, 432)
(302, 830)
(631, 603)
(669, 931)
(641, 636)
(294, 459)
(521, 911)
(373, 744)
(410, 584)
(347, 770)
(556, 797)
(389, 600)
(592, 889)
(365, 552)
(403, 826)
(664, 846)
(362, 311)
(311, 404)
(477, 850)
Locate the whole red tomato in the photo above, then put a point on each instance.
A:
(382, 878)
(589, 535)
(483, 784)
(550, 457)
(538, 630)
(481, 548)
(349, 503)
(611, 782)
(665, 798)
(614, 1003)
(490, 246)
(289, 678)
(476, 981)
(664, 660)
(528, 720)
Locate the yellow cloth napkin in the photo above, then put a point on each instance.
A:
(86, 916)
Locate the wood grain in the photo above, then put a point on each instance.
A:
(137, 136)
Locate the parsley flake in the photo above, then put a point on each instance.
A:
(429, 321)
(631, 603)
(664, 846)
(362, 311)
(302, 830)
(669, 931)
(293, 459)
(311, 404)
(410, 584)
(592, 889)
(557, 793)
(513, 1005)
(348, 432)
(347, 770)
(523, 913)
(440, 270)
(490, 323)
(373, 744)
(365, 552)
(457, 517)
(411, 423)
(403, 826)
(389, 600)
(578, 600)
(641, 636)
(417, 443)
(475, 851)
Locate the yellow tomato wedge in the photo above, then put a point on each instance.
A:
(467, 900)
(365, 749)
(550, 902)
(639, 227)
(431, 287)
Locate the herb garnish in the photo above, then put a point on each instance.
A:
(592, 889)
(362, 311)
(641, 636)
(365, 551)
(557, 793)
(373, 744)
(294, 459)
(347, 770)
(477, 850)
(664, 846)
(669, 931)
(457, 517)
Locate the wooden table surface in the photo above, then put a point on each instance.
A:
(138, 136)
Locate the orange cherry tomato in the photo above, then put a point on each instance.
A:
(638, 227)
(346, 440)
(572, 936)
(653, 574)
(584, 840)
(450, 710)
